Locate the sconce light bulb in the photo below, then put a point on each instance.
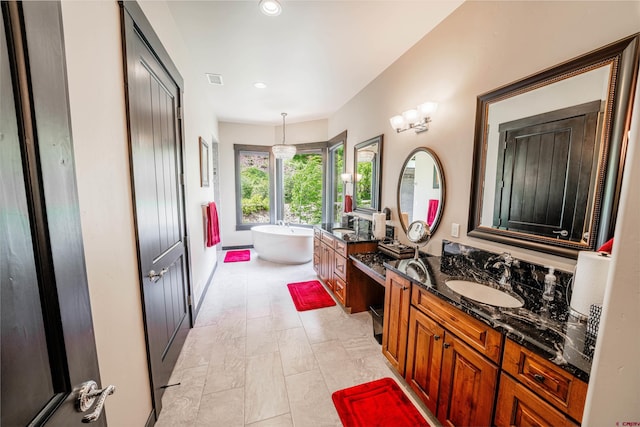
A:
(427, 109)
(411, 116)
(397, 122)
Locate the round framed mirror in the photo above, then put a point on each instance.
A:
(421, 190)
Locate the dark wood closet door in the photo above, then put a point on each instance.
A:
(543, 185)
(156, 158)
(48, 348)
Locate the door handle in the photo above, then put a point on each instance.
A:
(154, 277)
(563, 233)
(86, 397)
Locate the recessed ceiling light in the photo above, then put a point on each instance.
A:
(260, 85)
(270, 7)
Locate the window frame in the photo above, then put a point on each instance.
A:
(309, 148)
(332, 146)
(238, 149)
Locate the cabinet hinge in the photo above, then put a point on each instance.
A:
(191, 300)
(179, 113)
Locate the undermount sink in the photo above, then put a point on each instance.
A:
(342, 230)
(483, 293)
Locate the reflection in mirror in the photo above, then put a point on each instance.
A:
(548, 154)
(421, 189)
(367, 175)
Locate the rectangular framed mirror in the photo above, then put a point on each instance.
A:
(367, 167)
(549, 153)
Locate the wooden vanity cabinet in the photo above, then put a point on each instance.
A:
(396, 317)
(331, 263)
(540, 384)
(519, 406)
(443, 366)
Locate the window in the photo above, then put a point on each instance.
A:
(335, 184)
(254, 189)
(306, 190)
(302, 188)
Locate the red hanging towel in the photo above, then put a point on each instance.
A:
(348, 203)
(213, 229)
(432, 210)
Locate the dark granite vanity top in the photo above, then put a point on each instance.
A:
(348, 235)
(545, 330)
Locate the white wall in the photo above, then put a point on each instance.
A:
(238, 133)
(98, 122)
(98, 119)
(482, 46)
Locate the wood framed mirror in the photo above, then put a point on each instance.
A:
(421, 189)
(367, 167)
(549, 153)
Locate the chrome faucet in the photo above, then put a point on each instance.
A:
(506, 261)
(280, 222)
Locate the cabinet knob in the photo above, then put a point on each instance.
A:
(436, 337)
(539, 378)
(446, 345)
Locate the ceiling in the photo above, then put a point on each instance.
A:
(313, 57)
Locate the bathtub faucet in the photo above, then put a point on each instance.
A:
(282, 223)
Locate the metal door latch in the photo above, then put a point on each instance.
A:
(86, 397)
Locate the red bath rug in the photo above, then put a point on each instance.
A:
(377, 403)
(310, 295)
(237, 256)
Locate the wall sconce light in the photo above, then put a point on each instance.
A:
(346, 177)
(417, 118)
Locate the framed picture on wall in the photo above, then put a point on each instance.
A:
(204, 163)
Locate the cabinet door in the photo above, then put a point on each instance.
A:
(396, 317)
(467, 385)
(518, 406)
(326, 261)
(424, 357)
(317, 254)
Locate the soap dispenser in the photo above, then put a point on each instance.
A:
(549, 285)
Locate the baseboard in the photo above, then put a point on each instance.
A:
(151, 421)
(228, 248)
(204, 293)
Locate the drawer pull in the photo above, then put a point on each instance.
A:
(539, 378)
(436, 337)
(446, 345)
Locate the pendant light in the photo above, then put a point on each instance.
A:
(283, 151)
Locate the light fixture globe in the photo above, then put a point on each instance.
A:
(283, 151)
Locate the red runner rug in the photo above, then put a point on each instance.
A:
(237, 256)
(378, 403)
(309, 295)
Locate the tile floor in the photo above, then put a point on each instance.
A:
(253, 360)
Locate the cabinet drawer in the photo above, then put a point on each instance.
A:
(519, 406)
(560, 388)
(340, 290)
(328, 239)
(340, 266)
(340, 247)
(472, 331)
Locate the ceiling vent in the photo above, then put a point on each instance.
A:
(214, 79)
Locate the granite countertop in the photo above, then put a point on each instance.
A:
(349, 236)
(560, 338)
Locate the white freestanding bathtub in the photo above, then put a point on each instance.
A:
(283, 244)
